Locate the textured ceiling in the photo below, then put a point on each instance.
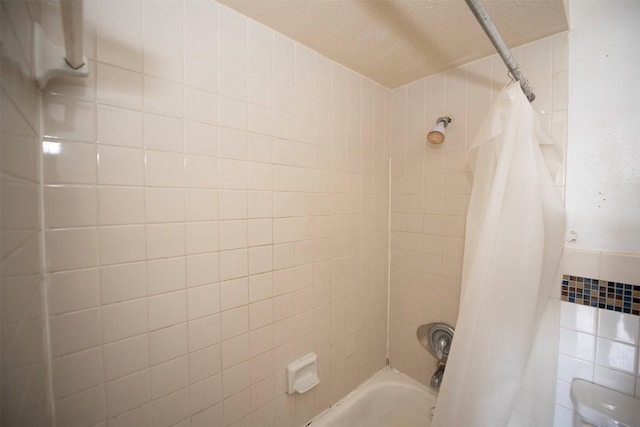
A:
(398, 41)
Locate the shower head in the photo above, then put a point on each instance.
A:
(436, 134)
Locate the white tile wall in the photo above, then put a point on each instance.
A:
(605, 354)
(196, 186)
(596, 344)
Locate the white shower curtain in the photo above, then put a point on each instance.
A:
(514, 240)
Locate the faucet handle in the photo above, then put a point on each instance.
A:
(441, 346)
(436, 338)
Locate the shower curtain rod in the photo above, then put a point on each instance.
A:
(490, 29)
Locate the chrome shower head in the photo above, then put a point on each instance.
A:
(436, 134)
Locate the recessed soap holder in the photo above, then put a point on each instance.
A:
(302, 375)
(436, 338)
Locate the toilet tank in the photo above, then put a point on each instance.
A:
(602, 406)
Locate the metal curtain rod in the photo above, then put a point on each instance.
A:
(485, 21)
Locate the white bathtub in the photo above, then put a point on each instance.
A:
(387, 399)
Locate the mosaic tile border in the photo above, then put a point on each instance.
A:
(614, 296)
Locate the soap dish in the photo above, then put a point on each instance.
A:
(306, 383)
(302, 375)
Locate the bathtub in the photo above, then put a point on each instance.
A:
(387, 399)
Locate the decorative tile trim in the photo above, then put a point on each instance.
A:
(613, 296)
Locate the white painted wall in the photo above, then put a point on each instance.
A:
(603, 158)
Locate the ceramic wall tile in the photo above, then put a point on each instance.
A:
(76, 372)
(167, 309)
(75, 331)
(171, 409)
(167, 344)
(125, 357)
(165, 240)
(190, 205)
(119, 38)
(578, 318)
(618, 326)
(123, 320)
(120, 166)
(620, 268)
(578, 345)
(120, 205)
(163, 39)
(69, 119)
(127, 393)
(614, 380)
(581, 263)
(71, 248)
(616, 355)
(119, 244)
(119, 87)
(200, 106)
(69, 162)
(206, 391)
(203, 301)
(122, 282)
(163, 97)
(73, 290)
(86, 406)
(169, 377)
(200, 139)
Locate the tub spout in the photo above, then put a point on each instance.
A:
(436, 379)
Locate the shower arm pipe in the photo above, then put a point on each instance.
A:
(71, 11)
(490, 29)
